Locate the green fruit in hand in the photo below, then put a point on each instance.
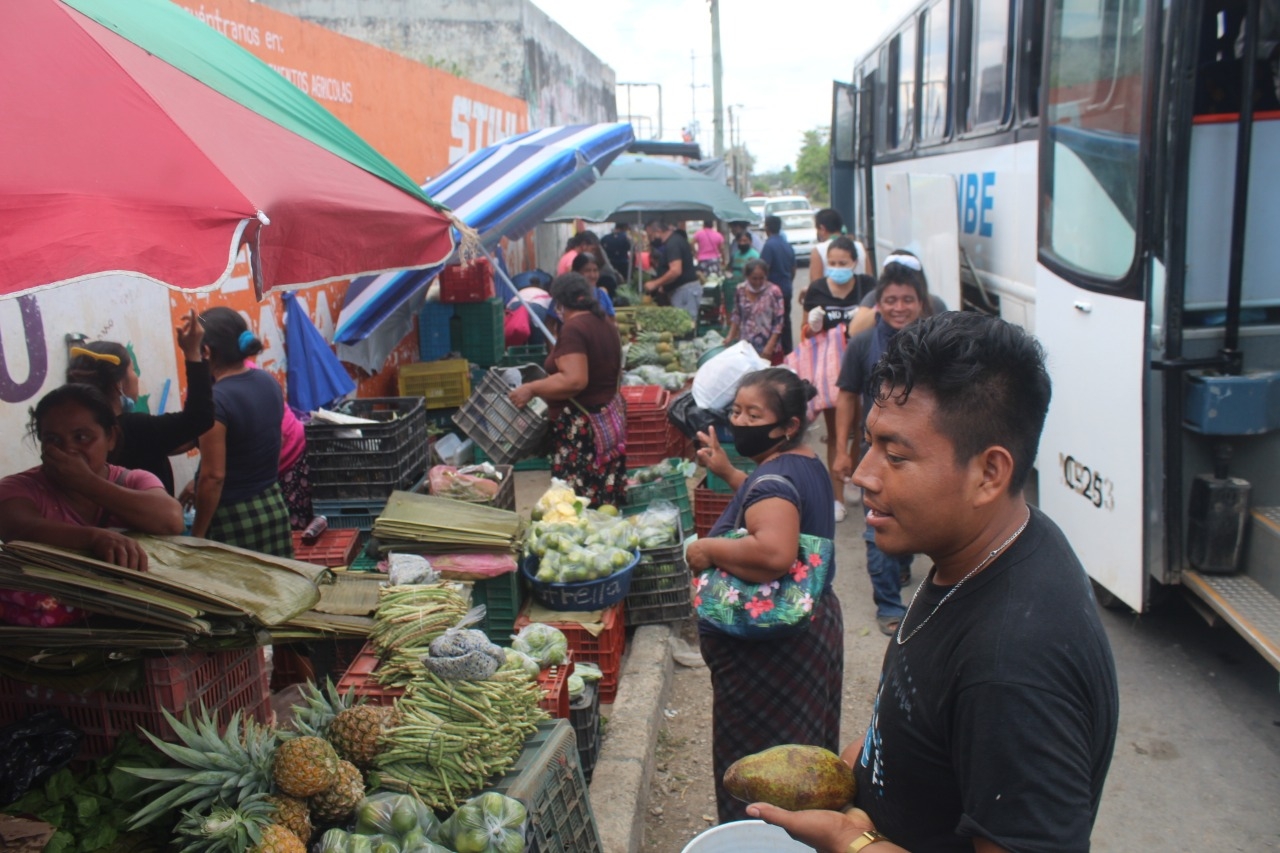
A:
(793, 777)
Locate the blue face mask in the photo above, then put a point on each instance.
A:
(840, 275)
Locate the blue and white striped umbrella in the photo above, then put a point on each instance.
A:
(500, 191)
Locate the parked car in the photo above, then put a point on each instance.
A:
(798, 229)
(783, 204)
(756, 203)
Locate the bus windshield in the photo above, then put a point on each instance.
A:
(1093, 124)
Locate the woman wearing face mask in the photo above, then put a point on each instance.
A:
(743, 253)
(783, 690)
(758, 312)
(147, 441)
(831, 303)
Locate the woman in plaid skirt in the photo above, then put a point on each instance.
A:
(238, 499)
(783, 689)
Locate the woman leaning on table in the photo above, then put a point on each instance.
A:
(238, 499)
(75, 499)
(585, 368)
(782, 689)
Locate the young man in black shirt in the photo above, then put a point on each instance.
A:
(996, 714)
(677, 278)
(617, 248)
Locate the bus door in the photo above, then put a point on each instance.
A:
(1091, 285)
(844, 138)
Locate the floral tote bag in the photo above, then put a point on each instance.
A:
(760, 611)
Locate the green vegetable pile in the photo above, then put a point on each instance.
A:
(452, 736)
(659, 318)
(408, 619)
(398, 823)
(90, 809)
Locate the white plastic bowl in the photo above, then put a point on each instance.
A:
(746, 836)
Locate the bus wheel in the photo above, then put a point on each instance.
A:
(1107, 599)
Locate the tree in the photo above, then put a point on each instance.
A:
(813, 165)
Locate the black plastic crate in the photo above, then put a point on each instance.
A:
(527, 354)
(547, 778)
(661, 587)
(505, 433)
(584, 716)
(368, 462)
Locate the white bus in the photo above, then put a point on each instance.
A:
(1110, 179)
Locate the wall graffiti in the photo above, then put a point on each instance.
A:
(12, 391)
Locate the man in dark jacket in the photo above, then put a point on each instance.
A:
(781, 258)
(677, 282)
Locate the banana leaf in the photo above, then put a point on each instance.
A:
(412, 517)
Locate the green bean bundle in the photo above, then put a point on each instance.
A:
(408, 619)
(453, 736)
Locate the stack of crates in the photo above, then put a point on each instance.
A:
(547, 778)
(331, 549)
(708, 505)
(672, 488)
(661, 587)
(742, 463)
(466, 283)
(604, 650)
(478, 333)
(433, 330)
(529, 354)
(647, 427)
(584, 716)
(441, 384)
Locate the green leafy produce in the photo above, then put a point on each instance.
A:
(544, 643)
(658, 318)
(90, 809)
(489, 823)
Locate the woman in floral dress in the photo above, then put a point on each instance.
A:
(758, 312)
(779, 690)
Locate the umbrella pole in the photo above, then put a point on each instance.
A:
(533, 317)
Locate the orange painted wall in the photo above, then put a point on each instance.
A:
(420, 118)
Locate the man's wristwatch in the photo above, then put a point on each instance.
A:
(871, 836)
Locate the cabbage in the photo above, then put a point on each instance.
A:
(489, 823)
(587, 671)
(576, 686)
(520, 660)
(544, 643)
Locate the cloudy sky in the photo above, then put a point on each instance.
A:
(779, 60)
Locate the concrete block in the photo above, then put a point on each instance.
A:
(620, 781)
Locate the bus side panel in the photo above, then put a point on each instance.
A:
(1091, 459)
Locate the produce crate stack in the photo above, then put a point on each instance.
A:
(466, 283)
(584, 716)
(433, 330)
(646, 424)
(672, 488)
(547, 778)
(357, 515)
(441, 384)
(708, 505)
(661, 587)
(554, 681)
(366, 462)
(223, 682)
(477, 331)
(605, 650)
(335, 547)
(742, 463)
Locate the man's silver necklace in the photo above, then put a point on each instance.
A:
(902, 641)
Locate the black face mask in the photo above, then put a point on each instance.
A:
(753, 441)
(656, 242)
(742, 250)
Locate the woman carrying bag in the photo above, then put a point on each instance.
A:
(781, 684)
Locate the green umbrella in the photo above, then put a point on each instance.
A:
(634, 187)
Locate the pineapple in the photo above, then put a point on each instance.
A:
(322, 705)
(294, 815)
(214, 768)
(247, 827)
(304, 766)
(354, 732)
(336, 804)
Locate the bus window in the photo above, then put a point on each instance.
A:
(1093, 118)
(881, 98)
(935, 30)
(902, 87)
(1029, 62)
(844, 124)
(988, 56)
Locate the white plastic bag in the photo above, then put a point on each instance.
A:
(716, 382)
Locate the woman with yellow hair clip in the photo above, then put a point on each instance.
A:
(147, 441)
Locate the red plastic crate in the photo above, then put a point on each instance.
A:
(605, 651)
(646, 398)
(679, 446)
(359, 679)
(471, 282)
(554, 681)
(335, 547)
(708, 506)
(225, 682)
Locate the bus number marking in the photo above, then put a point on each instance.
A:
(1088, 483)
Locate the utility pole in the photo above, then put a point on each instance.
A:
(717, 72)
(733, 153)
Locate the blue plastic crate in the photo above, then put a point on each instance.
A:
(433, 331)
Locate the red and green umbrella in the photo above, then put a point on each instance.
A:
(137, 140)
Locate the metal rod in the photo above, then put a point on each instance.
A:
(1240, 206)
